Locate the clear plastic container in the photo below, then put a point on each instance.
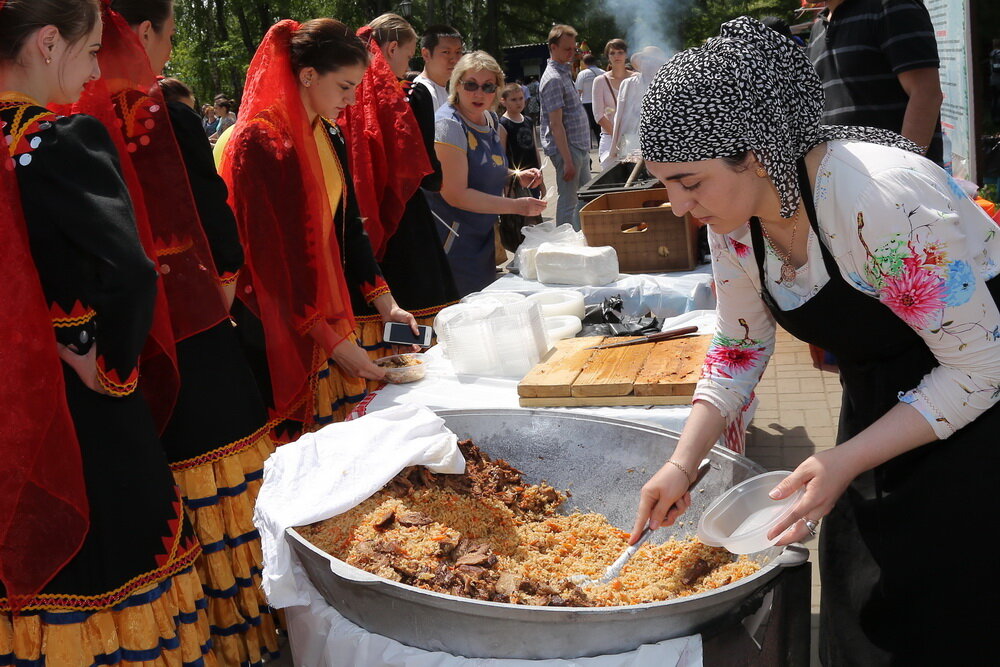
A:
(740, 518)
(487, 337)
(403, 368)
(503, 297)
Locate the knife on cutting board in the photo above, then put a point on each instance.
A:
(649, 338)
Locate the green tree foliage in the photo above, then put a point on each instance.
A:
(217, 38)
(705, 16)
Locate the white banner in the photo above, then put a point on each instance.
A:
(954, 39)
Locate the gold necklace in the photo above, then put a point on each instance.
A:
(788, 271)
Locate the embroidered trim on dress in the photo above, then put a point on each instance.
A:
(112, 383)
(224, 451)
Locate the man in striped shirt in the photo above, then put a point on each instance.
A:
(878, 60)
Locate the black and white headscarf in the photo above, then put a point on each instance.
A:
(749, 89)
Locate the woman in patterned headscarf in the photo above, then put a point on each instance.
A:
(851, 241)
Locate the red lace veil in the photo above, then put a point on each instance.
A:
(387, 152)
(287, 292)
(129, 102)
(44, 513)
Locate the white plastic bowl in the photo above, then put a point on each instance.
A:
(559, 327)
(740, 518)
(559, 302)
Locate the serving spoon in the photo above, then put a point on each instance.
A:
(584, 581)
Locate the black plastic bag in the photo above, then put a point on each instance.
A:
(510, 224)
(608, 319)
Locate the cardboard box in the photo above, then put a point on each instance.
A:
(644, 231)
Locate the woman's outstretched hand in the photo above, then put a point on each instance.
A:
(529, 207)
(668, 487)
(354, 361)
(825, 476)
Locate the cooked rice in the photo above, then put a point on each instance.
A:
(537, 548)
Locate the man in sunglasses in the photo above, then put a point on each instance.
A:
(565, 130)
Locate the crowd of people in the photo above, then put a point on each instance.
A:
(177, 311)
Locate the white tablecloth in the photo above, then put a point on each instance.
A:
(664, 294)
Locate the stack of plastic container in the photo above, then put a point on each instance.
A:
(487, 336)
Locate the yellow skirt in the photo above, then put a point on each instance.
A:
(163, 625)
(219, 490)
(335, 394)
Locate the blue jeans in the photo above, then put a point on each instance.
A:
(568, 205)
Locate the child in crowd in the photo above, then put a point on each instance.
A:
(522, 149)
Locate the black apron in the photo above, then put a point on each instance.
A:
(907, 577)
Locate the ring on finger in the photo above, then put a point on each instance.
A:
(810, 525)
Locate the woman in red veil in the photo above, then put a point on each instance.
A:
(96, 555)
(390, 137)
(305, 242)
(218, 435)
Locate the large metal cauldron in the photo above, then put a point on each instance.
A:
(604, 463)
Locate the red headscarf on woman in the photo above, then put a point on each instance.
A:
(294, 275)
(386, 148)
(44, 514)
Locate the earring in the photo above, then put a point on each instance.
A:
(761, 172)
(48, 61)
(307, 83)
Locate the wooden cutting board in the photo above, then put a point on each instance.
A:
(662, 373)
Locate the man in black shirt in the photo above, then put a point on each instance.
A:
(879, 64)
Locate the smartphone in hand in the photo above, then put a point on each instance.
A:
(401, 334)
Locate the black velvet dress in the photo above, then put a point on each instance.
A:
(140, 549)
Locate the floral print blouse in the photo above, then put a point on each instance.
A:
(901, 231)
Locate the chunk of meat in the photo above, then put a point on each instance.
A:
(507, 583)
(384, 520)
(414, 519)
(479, 555)
(446, 546)
(388, 547)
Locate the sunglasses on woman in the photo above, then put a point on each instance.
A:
(472, 86)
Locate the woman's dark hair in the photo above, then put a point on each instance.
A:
(326, 45)
(136, 11)
(777, 24)
(225, 104)
(20, 18)
(616, 44)
(737, 162)
(174, 90)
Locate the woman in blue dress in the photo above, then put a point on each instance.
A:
(470, 144)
